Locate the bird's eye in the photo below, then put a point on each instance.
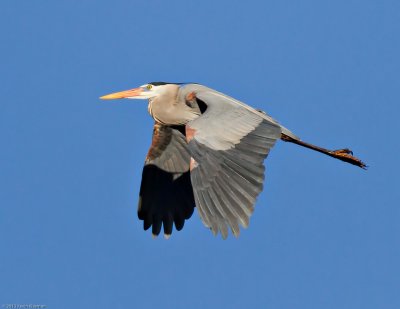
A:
(149, 87)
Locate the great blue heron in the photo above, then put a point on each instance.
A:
(207, 151)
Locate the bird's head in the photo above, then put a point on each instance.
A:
(147, 91)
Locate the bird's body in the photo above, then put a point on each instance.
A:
(207, 151)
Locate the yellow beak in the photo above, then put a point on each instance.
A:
(123, 94)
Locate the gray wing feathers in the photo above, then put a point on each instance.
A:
(241, 122)
(226, 182)
(169, 150)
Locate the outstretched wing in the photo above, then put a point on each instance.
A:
(166, 195)
(228, 144)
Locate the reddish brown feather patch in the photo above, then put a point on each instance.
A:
(191, 96)
(189, 133)
(156, 142)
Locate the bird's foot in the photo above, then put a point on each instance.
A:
(347, 156)
(343, 151)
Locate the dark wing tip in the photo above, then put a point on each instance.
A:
(164, 200)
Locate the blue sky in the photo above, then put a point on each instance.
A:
(324, 234)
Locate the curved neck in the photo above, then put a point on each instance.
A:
(167, 109)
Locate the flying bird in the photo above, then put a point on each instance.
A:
(208, 152)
